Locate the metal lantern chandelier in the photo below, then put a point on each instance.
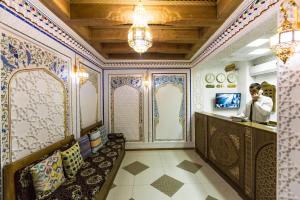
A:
(139, 35)
(287, 39)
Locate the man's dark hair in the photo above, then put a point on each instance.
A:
(255, 86)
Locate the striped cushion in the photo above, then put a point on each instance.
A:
(103, 134)
(96, 142)
(85, 146)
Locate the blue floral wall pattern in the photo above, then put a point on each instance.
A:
(19, 54)
(177, 80)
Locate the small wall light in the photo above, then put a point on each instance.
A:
(146, 81)
(80, 72)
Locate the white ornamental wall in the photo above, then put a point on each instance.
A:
(288, 138)
(15, 26)
(129, 107)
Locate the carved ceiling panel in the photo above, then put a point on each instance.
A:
(179, 27)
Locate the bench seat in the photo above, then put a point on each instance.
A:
(92, 181)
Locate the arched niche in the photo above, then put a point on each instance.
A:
(37, 111)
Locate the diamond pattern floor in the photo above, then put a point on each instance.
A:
(135, 168)
(210, 198)
(168, 175)
(189, 166)
(167, 185)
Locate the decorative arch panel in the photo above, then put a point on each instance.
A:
(37, 111)
(29, 73)
(126, 109)
(169, 101)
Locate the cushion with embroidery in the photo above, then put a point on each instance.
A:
(47, 175)
(72, 160)
(85, 146)
(103, 134)
(96, 142)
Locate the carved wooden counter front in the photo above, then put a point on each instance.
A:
(243, 153)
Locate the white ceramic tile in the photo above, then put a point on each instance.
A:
(120, 193)
(150, 160)
(128, 159)
(196, 186)
(124, 178)
(191, 192)
(143, 153)
(147, 192)
(177, 157)
(181, 175)
(221, 191)
(148, 176)
(208, 175)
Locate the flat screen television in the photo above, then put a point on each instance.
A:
(228, 100)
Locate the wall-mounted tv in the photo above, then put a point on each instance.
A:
(228, 100)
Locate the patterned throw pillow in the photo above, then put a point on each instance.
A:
(96, 142)
(103, 134)
(72, 160)
(85, 146)
(47, 175)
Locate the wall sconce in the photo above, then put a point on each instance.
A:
(80, 73)
(146, 81)
(287, 39)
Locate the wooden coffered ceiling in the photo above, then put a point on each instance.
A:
(179, 27)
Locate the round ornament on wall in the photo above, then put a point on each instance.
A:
(231, 77)
(210, 78)
(221, 78)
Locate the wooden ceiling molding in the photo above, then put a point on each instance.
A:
(179, 28)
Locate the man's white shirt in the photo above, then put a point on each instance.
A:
(261, 109)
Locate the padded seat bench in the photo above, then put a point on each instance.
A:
(93, 180)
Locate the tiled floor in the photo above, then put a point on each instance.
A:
(168, 175)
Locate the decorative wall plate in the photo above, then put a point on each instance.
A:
(221, 78)
(210, 78)
(231, 77)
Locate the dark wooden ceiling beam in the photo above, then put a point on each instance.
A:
(226, 7)
(179, 29)
(99, 15)
(123, 48)
(147, 56)
(159, 35)
(149, 2)
(183, 23)
(208, 32)
(61, 8)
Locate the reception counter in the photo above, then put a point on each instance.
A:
(243, 153)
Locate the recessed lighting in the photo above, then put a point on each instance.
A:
(258, 42)
(259, 51)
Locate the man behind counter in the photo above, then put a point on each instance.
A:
(260, 107)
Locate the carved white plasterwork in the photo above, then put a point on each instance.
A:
(126, 106)
(37, 111)
(126, 112)
(288, 137)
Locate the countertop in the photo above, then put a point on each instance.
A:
(248, 124)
